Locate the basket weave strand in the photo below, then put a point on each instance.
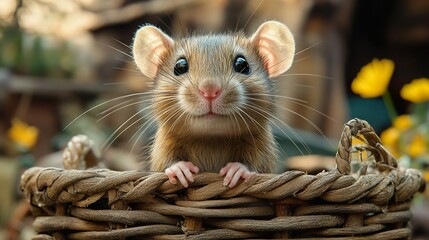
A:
(106, 204)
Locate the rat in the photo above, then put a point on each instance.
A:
(213, 99)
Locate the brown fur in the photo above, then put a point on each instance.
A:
(240, 130)
(210, 154)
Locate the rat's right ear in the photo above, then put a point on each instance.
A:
(149, 47)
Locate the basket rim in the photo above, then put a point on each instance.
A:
(47, 186)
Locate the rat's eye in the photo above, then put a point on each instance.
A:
(181, 66)
(241, 65)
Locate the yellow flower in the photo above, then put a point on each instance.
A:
(417, 146)
(373, 78)
(23, 134)
(357, 141)
(417, 91)
(426, 176)
(403, 122)
(390, 137)
(363, 155)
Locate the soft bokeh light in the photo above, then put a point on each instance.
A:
(417, 91)
(7, 8)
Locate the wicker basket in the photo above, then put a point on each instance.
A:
(103, 204)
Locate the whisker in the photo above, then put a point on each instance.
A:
(128, 70)
(238, 21)
(236, 120)
(317, 111)
(308, 48)
(123, 44)
(175, 120)
(297, 53)
(253, 120)
(306, 119)
(172, 81)
(123, 124)
(307, 74)
(167, 75)
(149, 123)
(120, 108)
(297, 84)
(180, 21)
(118, 50)
(111, 141)
(113, 134)
(101, 104)
(277, 96)
(301, 59)
(303, 105)
(251, 15)
(123, 60)
(151, 120)
(114, 83)
(270, 121)
(257, 109)
(119, 104)
(165, 24)
(312, 124)
(141, 118)
(247, 126)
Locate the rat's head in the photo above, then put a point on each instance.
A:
(215, 84)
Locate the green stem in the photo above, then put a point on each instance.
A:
(419, 110)
(388, 102)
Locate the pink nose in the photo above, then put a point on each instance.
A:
(209, 91)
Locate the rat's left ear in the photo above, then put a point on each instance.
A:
(276, 47)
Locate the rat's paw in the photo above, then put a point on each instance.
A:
(183, 171)
(233, 171)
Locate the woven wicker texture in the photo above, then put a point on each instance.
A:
(103, 204)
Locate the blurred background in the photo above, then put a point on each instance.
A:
(60, 59)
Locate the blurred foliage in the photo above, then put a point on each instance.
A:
(33, 42)
(26, 53)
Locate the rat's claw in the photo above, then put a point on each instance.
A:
(233, 172)
(183, 171)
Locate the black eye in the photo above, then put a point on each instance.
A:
(241, 65)
(181, 66)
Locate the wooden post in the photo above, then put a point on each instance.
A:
(395, 208)
(120, 205)
(60, 210)
(354, 220)
(192, 225)
(282, 210)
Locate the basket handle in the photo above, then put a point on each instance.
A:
(361, 130)
(80, 154)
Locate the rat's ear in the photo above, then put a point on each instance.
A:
(276, 47)
(149, 47)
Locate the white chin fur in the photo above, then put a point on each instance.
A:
(212, 125)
